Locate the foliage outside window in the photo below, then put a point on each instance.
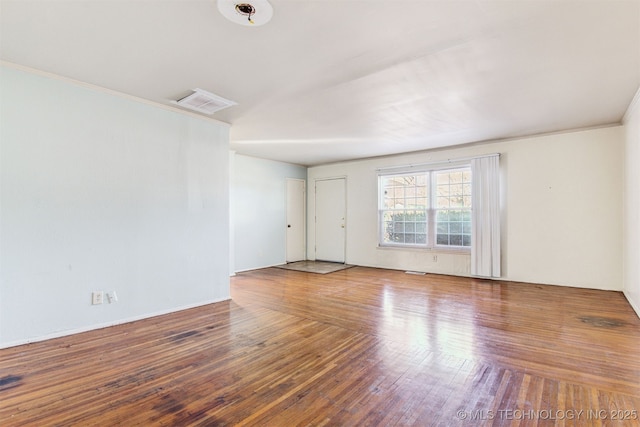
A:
(426, 209)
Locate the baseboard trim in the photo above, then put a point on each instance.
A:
(107, 324)
(633, 305)
(259, 268)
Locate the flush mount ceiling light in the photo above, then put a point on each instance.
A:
(251, 13)
(204, 102)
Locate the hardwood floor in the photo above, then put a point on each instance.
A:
(360, 346)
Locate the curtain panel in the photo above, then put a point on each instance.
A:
(485, 217)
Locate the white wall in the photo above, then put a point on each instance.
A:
(562, 210)
(100, 192)
(259, 210)
(632, 205)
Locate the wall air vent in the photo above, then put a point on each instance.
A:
(204, 102)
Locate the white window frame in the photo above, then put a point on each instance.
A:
(430, 211)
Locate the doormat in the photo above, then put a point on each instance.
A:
(319, 267)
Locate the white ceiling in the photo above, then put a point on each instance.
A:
(330, 80)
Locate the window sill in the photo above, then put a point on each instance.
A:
(438, 249)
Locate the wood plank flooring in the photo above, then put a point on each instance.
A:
(361, 346)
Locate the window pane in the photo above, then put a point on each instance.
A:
(442, 178)
(401, 226)
(455, 177)
(442, 216)
(453, 191)
(443, 202)
(456, 201)
(451, 225)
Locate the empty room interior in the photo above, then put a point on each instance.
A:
(319, 212)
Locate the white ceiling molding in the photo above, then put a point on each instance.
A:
(161, 105)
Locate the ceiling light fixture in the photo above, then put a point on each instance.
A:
(246, 9)
(246, 12)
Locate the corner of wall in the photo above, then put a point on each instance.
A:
(632, 303)
(632, 107)
(631, 204)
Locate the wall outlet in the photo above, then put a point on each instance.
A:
(112, 297)
(434, 258)
(97, 297)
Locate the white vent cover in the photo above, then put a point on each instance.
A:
(204, 102)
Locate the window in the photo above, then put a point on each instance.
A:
(404, 209)
(426, 209)
(453, 207)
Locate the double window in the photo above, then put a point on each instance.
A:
(427, 209)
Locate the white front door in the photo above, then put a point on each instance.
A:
(295, 220)
(330, 219)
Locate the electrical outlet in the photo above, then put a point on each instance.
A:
(434, 258)
(112, 297)
(97, 297)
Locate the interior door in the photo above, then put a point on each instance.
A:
(295, 220)
(330, 220)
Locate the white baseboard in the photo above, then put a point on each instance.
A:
(632, 303)
(260, 268)
(107, 324)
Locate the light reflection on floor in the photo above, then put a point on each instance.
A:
(405, 320)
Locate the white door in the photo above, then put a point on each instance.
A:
(295, 220)
(330, 220)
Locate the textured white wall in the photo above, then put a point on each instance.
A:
(259, 210)
(100, 192)
(632, 205)
(562, 210)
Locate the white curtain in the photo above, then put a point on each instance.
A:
(485, 218)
